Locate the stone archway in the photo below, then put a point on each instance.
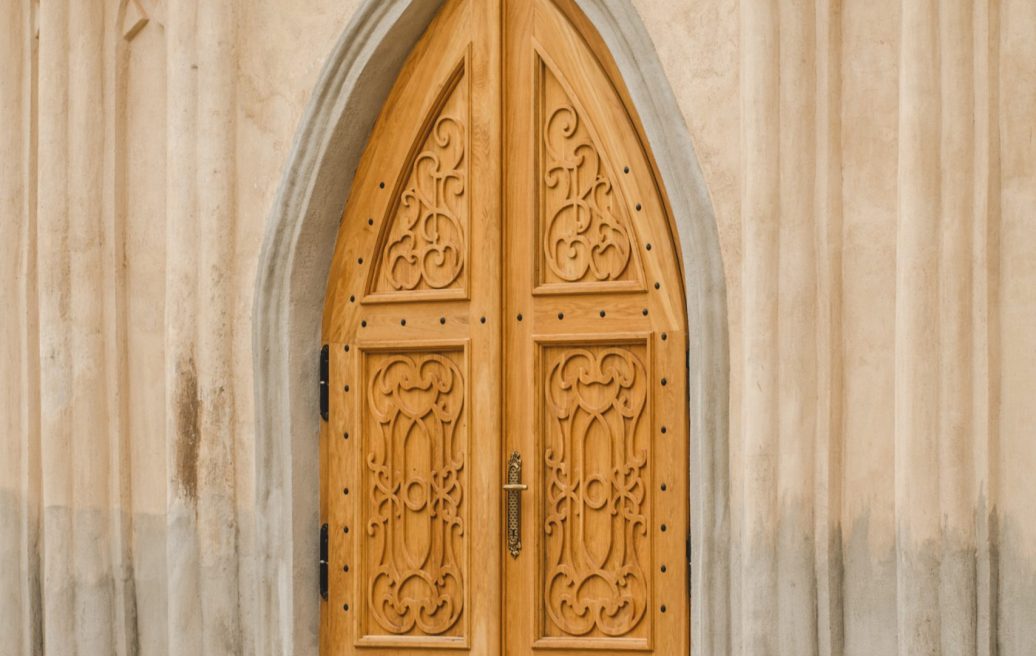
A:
(293, 268)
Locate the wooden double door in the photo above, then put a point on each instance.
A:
(505, 460)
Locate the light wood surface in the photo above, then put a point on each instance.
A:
(505, 280)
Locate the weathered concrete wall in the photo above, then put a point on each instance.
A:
(872, 165)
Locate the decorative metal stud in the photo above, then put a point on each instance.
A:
(363, 324)
(664, 430)
(482, 320)
(381, 185)
(442, 321)
(346, 388)
(352, 299)
(561, 315)
(603, 313)
(345, 490)
(370, 221)
(664, 528)
(665, 336)
(664, 569)
(626, 170)
(345, 529)
(519, 316)
(638, 207)
(345, 568)
(664, 381)
(345, 607)
(658, 285)
(402, 322)
(663, 608)
(359, 260)
(664, 487)
(648, 246)
(345, 436)
(346, 348)
(644, 312)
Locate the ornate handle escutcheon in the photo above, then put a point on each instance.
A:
(514, 489)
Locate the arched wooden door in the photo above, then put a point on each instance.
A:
(505, 460)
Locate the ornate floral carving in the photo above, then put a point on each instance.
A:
(585, 234)
(426, 247)
(595, 493)
(415, 460)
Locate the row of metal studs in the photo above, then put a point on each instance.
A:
(345, 435)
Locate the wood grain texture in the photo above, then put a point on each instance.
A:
(594, 316)
(415, 317)
(415, 371)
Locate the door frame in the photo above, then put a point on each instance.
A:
(289, 297)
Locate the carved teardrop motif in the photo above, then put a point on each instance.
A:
(596, 499)
(426, 245)
(585, 233)
(415, 459)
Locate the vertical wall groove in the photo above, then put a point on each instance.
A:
(796, 355)
(985, 263)
(1016, 309)
(29, 407)
(957, 601)
(125, 628)
(18, 510)
(760, 202)
(829, 432)
(139, 177)
(918, 535)
(56, 386)
(91, 446)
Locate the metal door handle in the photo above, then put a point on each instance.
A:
(514, 488)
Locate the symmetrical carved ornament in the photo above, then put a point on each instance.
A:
(426, 246)
(584, 228)
(415, 521)
(596, 516)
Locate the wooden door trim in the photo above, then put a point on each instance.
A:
(293, 269)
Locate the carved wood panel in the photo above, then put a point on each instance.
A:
(425, 248)
(596, 510)
(415, 375)
(505, 271)
(415, 456)
(584, 225)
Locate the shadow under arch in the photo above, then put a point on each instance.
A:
(293, 267)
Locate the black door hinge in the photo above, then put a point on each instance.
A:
(325, 357)
(690, 571)
(323, 561)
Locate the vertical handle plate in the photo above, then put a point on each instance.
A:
(514, 490)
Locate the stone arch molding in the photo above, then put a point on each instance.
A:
(293, 268)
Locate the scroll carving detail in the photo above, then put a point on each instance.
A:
(426, 245)
(585, 230)
(415, 457)
(596, 521)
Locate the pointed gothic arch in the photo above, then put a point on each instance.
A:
(289, 301)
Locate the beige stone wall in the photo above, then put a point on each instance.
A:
(872, 164)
